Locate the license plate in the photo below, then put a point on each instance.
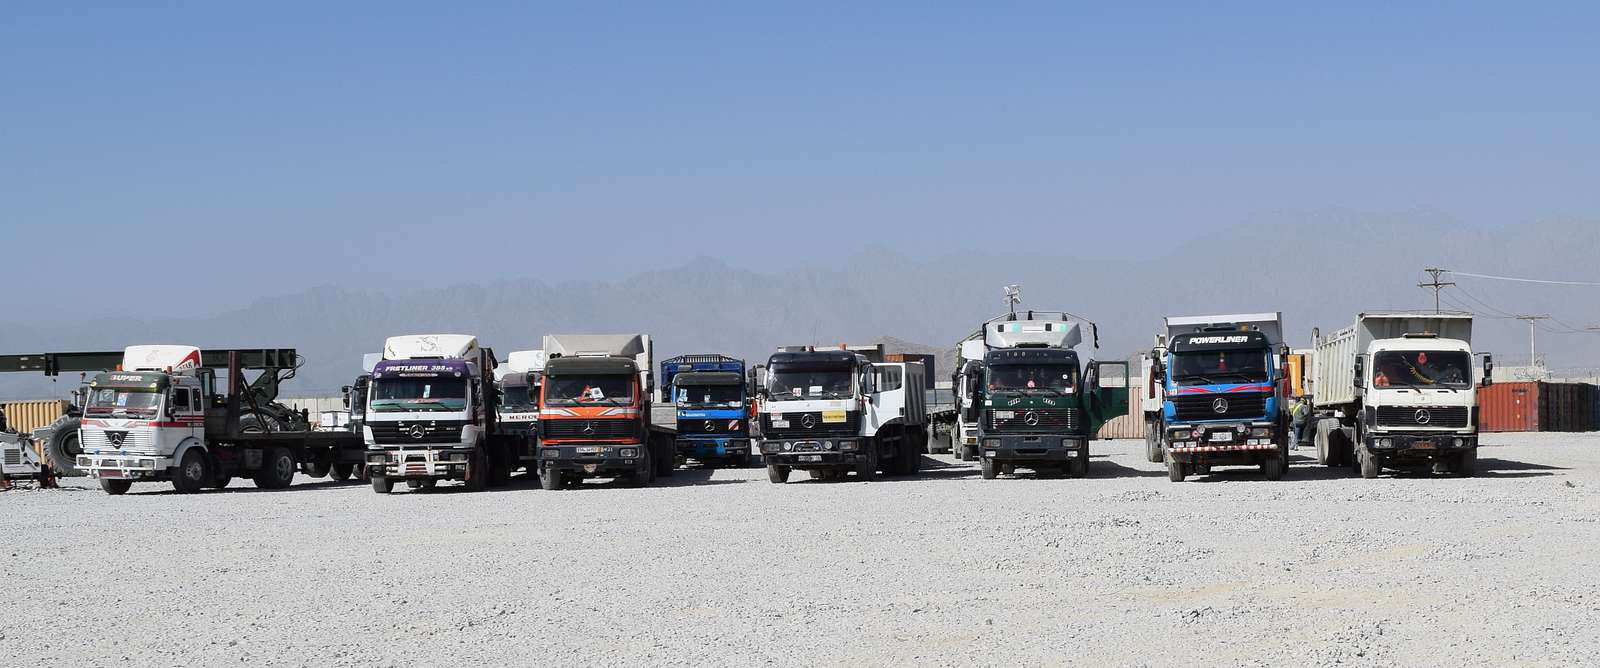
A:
(832, 417)
(589, 451)
(1221, 436)
(1422, 445)
(810, 458)
(1004, 415)
(111, 473)
(780, 424)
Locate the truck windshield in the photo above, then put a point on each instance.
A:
(1422, 368)
(603, 390)
(518, 396)
(1061, 378)
(123, 402)
(404, 395)
(722, 396)
(1220, 367)
(788, 385)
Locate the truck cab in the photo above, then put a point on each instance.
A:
(1420, 402)
(830, 412)
(430, 414)
(712, 408)
(969, 368)
(139, 424)
(594, 412)
(1035, 404)
(1224, 399)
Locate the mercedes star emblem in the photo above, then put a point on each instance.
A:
(710, 426)
(1031, 418)
(588, 427)
(1423, 417)
(417, 431)
(1219, 405)
(808, 421)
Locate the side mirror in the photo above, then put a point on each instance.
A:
(1488, 370)
(1361, 371)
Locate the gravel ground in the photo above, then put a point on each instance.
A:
(721, 567)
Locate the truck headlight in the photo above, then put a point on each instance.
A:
(788, 446)
(991, 443)
(550, 453)
(1197, 434)
(848, 446)
(628, 453)
(827, 445)
(1260, 432)
(1385, 442)
(1461, 442)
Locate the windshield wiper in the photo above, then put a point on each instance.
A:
(1204, 380)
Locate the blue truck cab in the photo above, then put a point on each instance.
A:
(711, 397)
(1223, 401)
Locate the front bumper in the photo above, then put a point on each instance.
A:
(1418, 445)
(1032, 447)
(130, 467)
(446, 462)
(712, 448)
(820, 452)
(594, 461)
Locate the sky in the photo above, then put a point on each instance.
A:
(270, 147)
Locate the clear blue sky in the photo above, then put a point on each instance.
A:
(295, 144)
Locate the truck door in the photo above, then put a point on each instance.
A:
(186, 412)
(1107, 383)
(888, 402)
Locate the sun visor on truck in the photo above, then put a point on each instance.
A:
(420, 369)
(131, 380)
(621, 366)
(702, 378)
(1209, 341)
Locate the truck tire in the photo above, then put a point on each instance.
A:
(115, 487)
(477, 470)
(277, 469)
(867, 468)
(551, 480)
(777, 474)
(1175, 470)
(1274, 466)
(1008, 469)
(382, 485)
(315, 469)
(968, 452)
(220, 481)
(192, 473)
(1465, 463)
(1368, 463)
(988, 469)
(61, 448)
(1152, 443)
(1078, 468)
(341, 472)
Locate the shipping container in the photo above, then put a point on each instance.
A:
(26, 416)
(1538, 406)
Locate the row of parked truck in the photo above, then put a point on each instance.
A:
(1394, 390)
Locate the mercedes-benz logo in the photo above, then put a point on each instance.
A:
(588, 427)
(1423, 417)
(808, 421)
(710, 426)
(116, 437)
(417, 431)
(1219, 405)
(1031, 419)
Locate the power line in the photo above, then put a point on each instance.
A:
(1525, 280)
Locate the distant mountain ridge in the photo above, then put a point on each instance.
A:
(1319, 268)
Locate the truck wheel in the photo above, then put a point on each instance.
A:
(741, 461)
(1273, 467)
(277, 469)
(115, 487)
(220, 480)
(988, 468)
(1152, 443)
(551, 480)
(1200, 468)
(867, 468)
(61, 448)
(315, 469)
(382, 485)
(1466, 463)
(1008, 469)
(1175, 469)
(341, 472)
(777, 474)
(1078, 468)
(477, 471)
(193, 472)
(1368, 463)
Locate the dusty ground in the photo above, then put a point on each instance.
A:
(722, 567)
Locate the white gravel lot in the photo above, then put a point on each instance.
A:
(721, 567)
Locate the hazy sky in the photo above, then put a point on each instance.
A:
(282, 145)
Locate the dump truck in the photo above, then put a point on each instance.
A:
(1396, 390)
(431, 415)
(1222, 395)
(594, 412)
(162, 413)
(711, 397)
(1035, 405)
(833, 412)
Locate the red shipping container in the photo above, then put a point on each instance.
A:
(1510, 406)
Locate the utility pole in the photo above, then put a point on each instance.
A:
(1436, 285)
(1533, 322)
(1013, 297)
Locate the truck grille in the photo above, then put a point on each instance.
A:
(717, 426)
(131, 441)
(404, 433)
(797, 425)
(1438, 417)
(1234, 406)
(579, 428)
(1038, 420)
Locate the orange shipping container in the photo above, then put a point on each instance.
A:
(1508, 406)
